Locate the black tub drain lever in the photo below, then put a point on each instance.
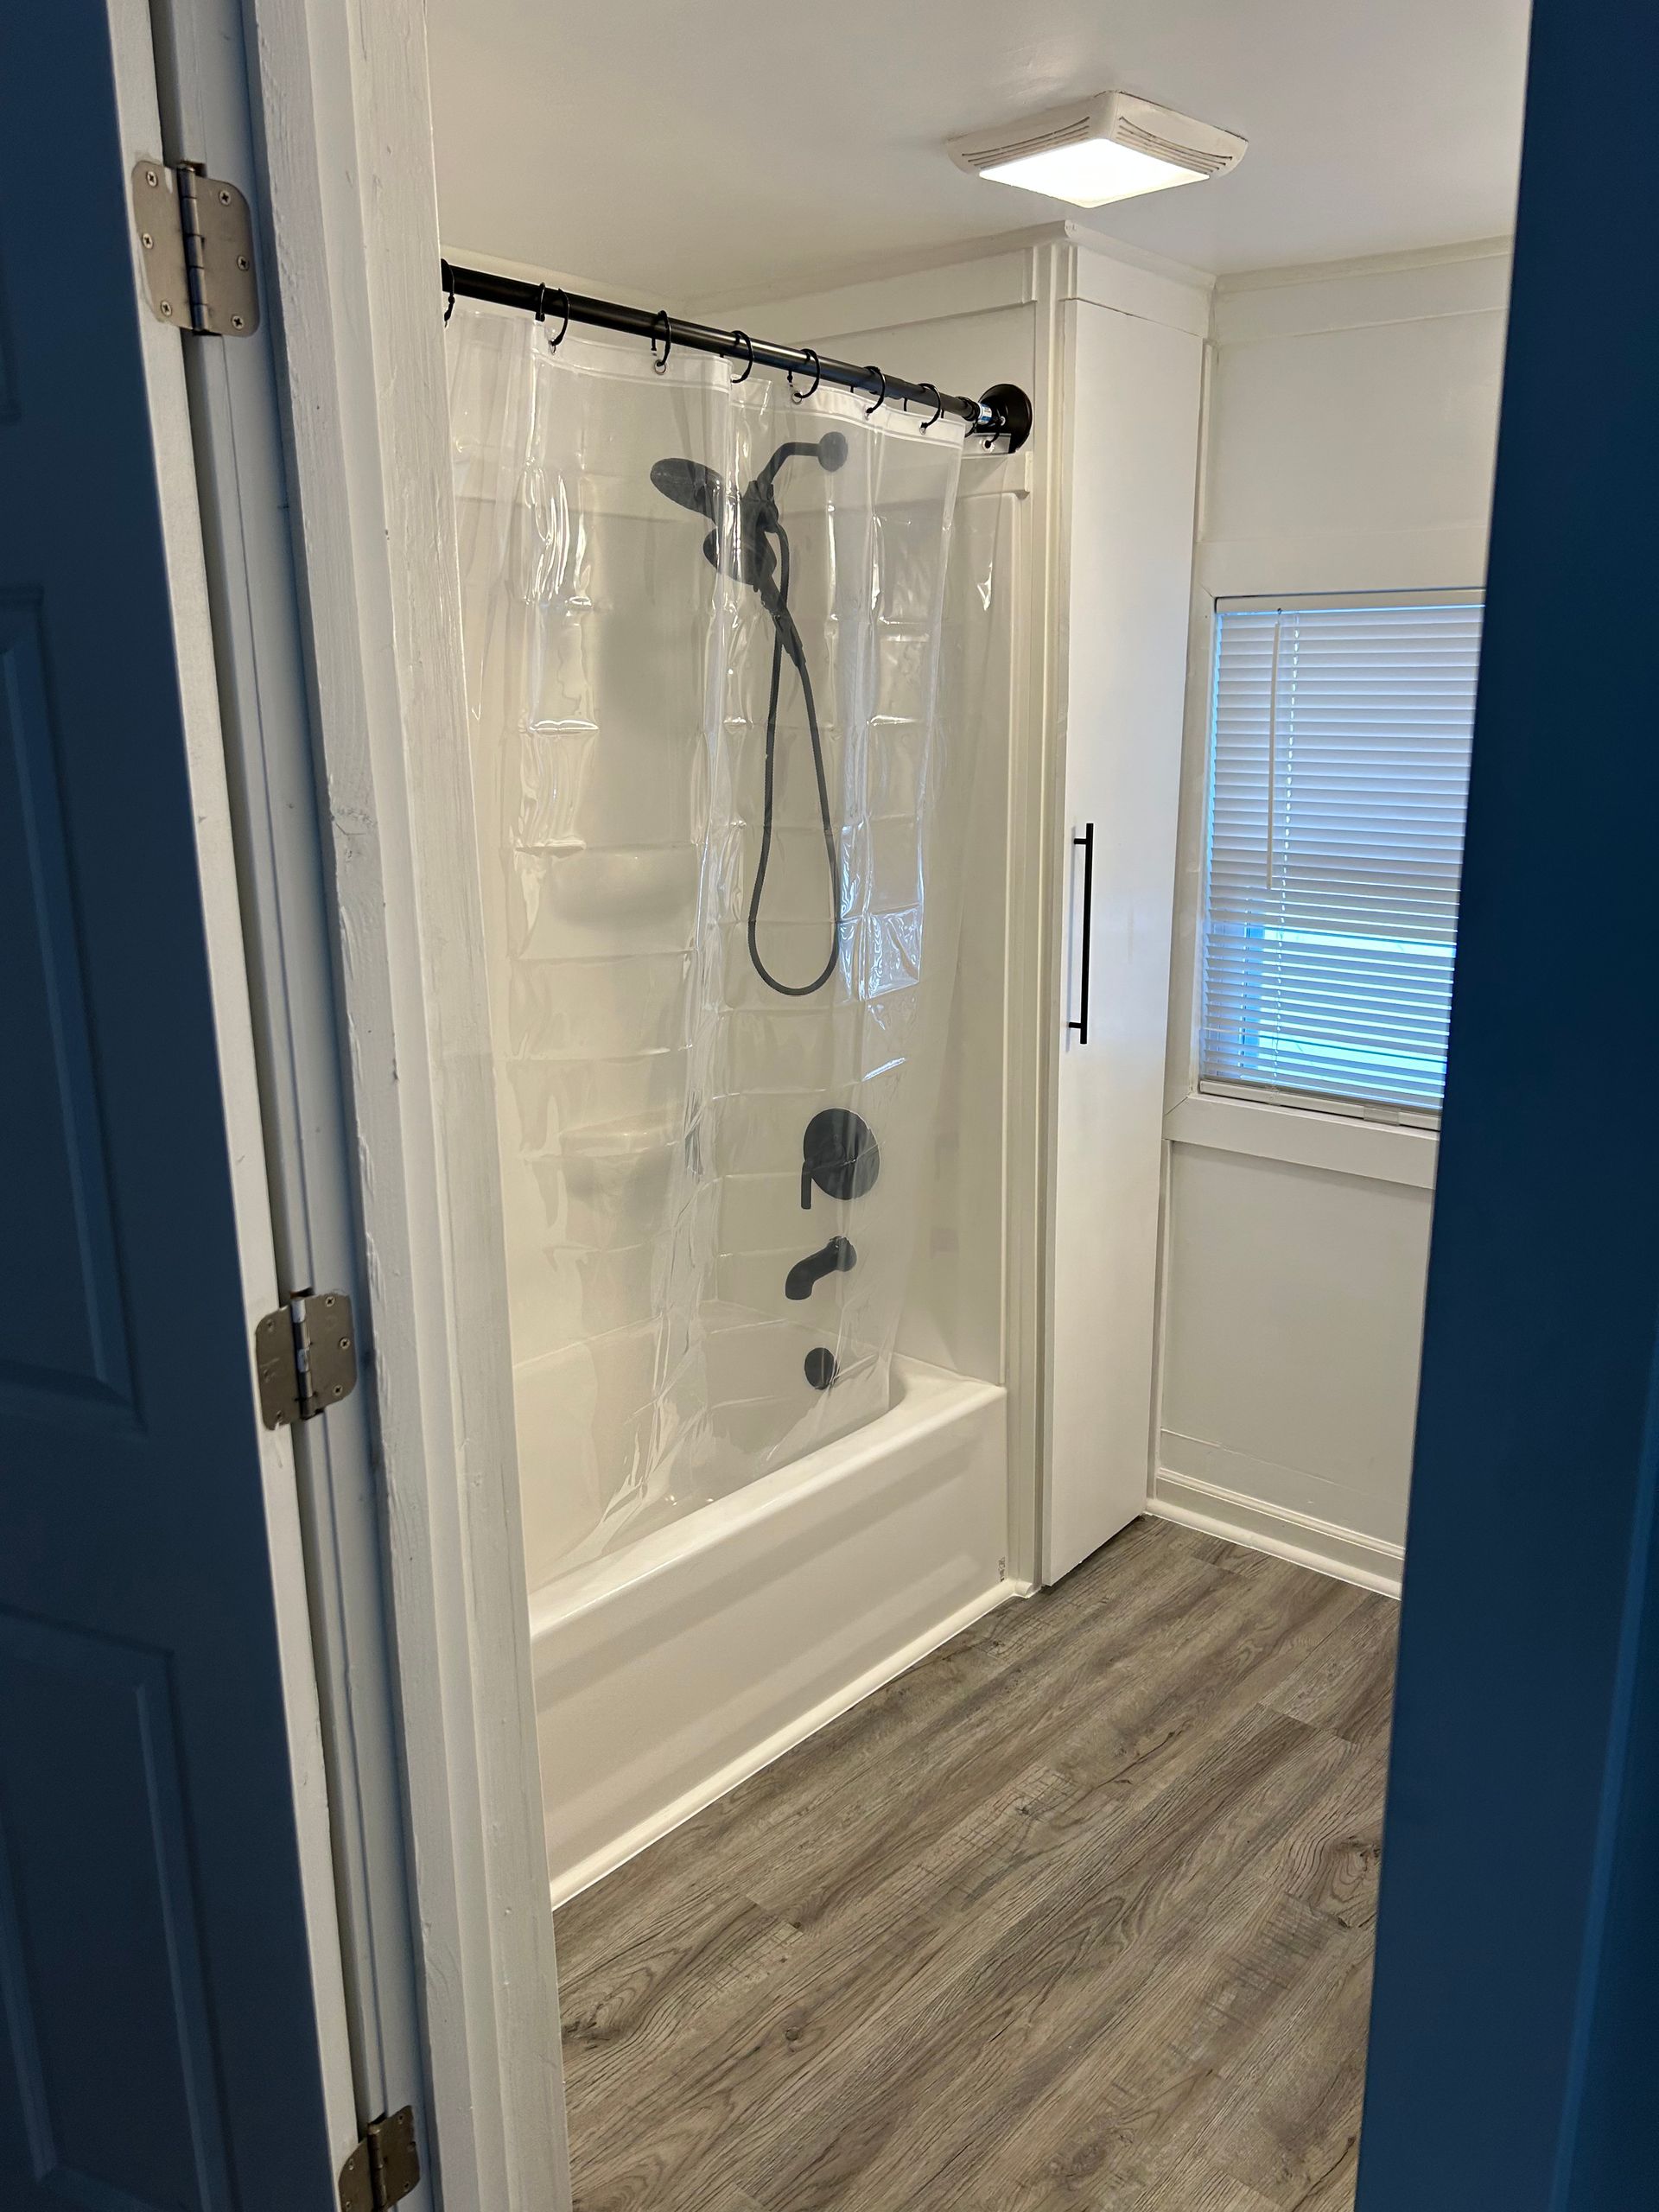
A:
(835, 1257)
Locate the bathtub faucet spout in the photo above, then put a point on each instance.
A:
(835, 1257)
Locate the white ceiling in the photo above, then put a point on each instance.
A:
(680, 148)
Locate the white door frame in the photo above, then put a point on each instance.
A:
(240, 472)
(337, 600)
(194, 641)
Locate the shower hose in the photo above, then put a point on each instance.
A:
(748, 541)
(786, 640)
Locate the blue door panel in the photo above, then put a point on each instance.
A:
(1514, 2033)
(100, 1969)
(61, 1326)
(159, 2045)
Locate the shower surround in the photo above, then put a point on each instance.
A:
(721, 814)
(727, 664)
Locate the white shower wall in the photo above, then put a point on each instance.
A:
(654, 1085)
(968, 325)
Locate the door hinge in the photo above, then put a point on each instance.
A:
(306, 1355)
(384, 2168)
(195, 233)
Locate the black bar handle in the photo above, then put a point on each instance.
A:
(1087, 841)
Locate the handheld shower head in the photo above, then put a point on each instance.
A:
(694, 484)
(690, 484)
(743, 543)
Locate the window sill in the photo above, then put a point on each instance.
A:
(1373, 1150)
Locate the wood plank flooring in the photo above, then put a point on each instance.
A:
(1077, 1914)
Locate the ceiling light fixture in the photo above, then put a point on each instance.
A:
(1112, 147)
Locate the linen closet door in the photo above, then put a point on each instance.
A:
(1135, 393)
(159, 2033)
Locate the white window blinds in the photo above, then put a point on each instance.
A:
(1339, 775)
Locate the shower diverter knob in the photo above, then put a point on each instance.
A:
(839, 1154)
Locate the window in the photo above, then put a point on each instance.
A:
(1339, 771)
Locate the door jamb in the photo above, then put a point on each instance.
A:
(342, 185)
(135, 84)
(287, 933)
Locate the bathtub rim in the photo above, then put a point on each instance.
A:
(925, 1398)
(622, 1768)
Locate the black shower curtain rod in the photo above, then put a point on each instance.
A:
(1002, 412)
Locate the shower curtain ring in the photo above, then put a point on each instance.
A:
(748, 356)
(881, 375)
(939, 404)
(661, 316)
(554, 344)
(817, 377)
(449, 287)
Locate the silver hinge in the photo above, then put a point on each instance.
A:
(196, 236)
(384, 2168)
(305, 1355)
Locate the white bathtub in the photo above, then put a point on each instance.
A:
(667, 1675)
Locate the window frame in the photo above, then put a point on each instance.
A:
(1372, 1111)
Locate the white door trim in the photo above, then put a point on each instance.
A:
(137, 107)
(347, 201)
(288, 918)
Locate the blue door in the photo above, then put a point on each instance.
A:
(158, 2044)
(1514, 2046)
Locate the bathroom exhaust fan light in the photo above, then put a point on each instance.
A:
(1110, 148)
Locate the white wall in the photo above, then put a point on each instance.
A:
(1352, 429)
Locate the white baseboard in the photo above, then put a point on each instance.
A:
(1299, 1537)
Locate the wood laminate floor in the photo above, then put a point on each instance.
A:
(1076, 1914)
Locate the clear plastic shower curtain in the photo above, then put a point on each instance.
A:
(722, 831)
